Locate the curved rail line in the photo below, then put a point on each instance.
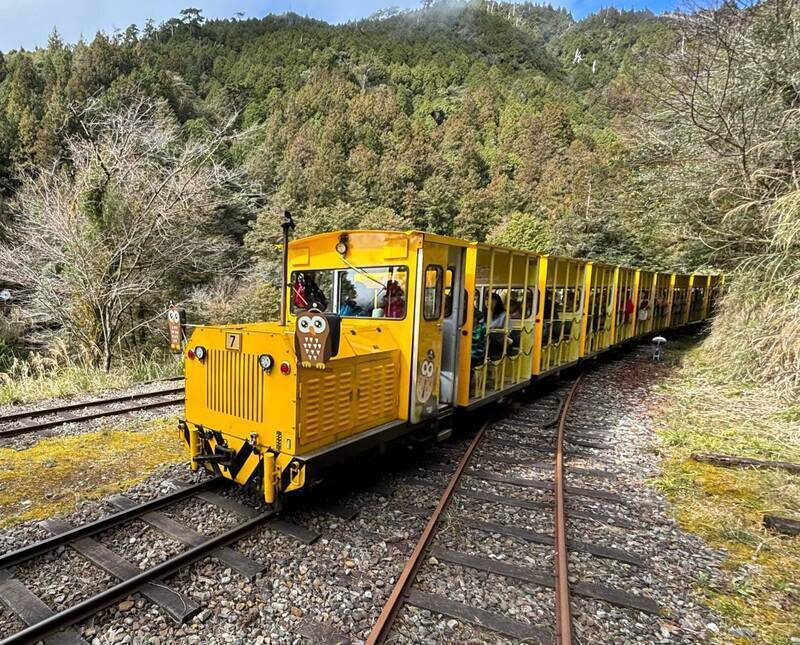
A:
(563, 610)
(27, 421)
(395, 601)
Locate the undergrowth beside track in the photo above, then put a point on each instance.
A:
(58, 473)
(38, 378)
(699, 411)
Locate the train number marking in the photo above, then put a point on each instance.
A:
(233, 341)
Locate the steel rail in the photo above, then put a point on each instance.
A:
(55, 409)
(563, 609)
(92, 605)
(389, 612)
(25, 553)
(90, 415)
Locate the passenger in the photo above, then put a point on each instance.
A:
(628, 307)
(478, 339)
(497, 337)
(350, 306)
(307, 295)
(393, 303)
(498, 312)
(515, 309)
(644, 309)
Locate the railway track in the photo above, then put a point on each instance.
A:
(479, 478)
(26, 421)
(55, 627)
(499, 487)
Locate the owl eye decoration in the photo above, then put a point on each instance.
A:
(316, 338)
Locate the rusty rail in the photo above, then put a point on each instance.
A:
(563, 610)
(389, 612)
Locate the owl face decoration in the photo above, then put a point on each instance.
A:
(425, 374)
(316, 338)
(176, 319)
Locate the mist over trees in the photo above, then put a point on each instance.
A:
(665, 142)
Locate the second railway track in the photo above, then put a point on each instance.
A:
(55, 627)
(481, 478)
(32, 420)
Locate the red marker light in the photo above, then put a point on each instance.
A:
(190, 354)
(285, 368)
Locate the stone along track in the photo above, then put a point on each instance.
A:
(27, 421)
(457, 535)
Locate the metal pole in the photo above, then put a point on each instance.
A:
(287, 225)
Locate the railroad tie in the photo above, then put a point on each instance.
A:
(290, 529)
(31, 610)
(178, 606)
(246, 566)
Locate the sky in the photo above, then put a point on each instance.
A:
(28, 23)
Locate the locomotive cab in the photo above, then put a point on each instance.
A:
(369, 352)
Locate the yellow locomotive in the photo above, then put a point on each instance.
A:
(385, 334)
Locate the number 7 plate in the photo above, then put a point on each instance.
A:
(233, 341)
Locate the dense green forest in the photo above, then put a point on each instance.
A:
(664, 142)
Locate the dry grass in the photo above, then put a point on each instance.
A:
(54, 375)
(756, 337)
(56, 474)
(701, 411)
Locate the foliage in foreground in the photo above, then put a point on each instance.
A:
(100, 246)
(701, 410)
(718, 161)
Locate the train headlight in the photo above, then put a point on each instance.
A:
(341, 245)
(200, 352)
(266, 362)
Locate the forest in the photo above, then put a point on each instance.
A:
(154, 164)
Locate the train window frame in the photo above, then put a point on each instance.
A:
(448, 301)
(335, 289)
(435, 312)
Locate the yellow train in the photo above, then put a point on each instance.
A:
(387, 334)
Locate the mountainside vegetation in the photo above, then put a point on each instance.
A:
(667, 142)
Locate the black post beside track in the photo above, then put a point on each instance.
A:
(25, 553)
(92, 605)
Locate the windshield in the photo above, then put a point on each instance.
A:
(374, 292)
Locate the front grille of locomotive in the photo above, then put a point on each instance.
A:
(235, 384)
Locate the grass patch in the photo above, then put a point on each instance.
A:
(41, 378)
(56, 474)
(700, 411)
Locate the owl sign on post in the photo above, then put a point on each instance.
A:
(316, 337)
(176, 320)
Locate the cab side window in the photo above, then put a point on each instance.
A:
(432, 296)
